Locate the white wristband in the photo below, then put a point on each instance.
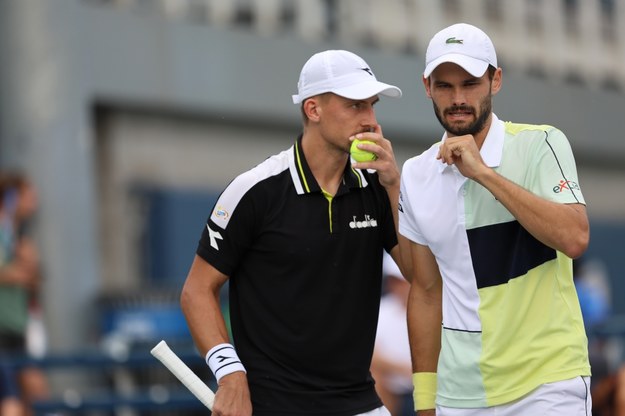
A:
(223, 360)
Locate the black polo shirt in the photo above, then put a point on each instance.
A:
(305, 277)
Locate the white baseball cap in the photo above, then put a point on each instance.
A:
(461, 44)
(342, 73)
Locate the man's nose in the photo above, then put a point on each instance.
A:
(370, 120)
(459, 97)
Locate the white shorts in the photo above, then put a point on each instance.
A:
(380, 411)
(568, 397)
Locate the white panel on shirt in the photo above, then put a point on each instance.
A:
(231, 196)
(433, 215)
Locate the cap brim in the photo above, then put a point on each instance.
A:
(475, 67)
(367, 89)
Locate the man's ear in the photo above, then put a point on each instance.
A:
(312, 109)
(497, 81)
(426, 84)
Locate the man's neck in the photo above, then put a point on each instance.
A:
(327, 164)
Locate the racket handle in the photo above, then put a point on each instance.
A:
(178, 368)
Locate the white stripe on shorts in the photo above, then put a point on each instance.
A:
(567, 397)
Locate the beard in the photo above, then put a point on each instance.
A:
(474, 127)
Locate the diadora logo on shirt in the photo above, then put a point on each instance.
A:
(213, 236)
(367, 222)
(564, 186)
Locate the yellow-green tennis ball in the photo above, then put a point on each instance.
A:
(360, 155)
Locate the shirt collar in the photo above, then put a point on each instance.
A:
(306, 183)
(492, 149)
